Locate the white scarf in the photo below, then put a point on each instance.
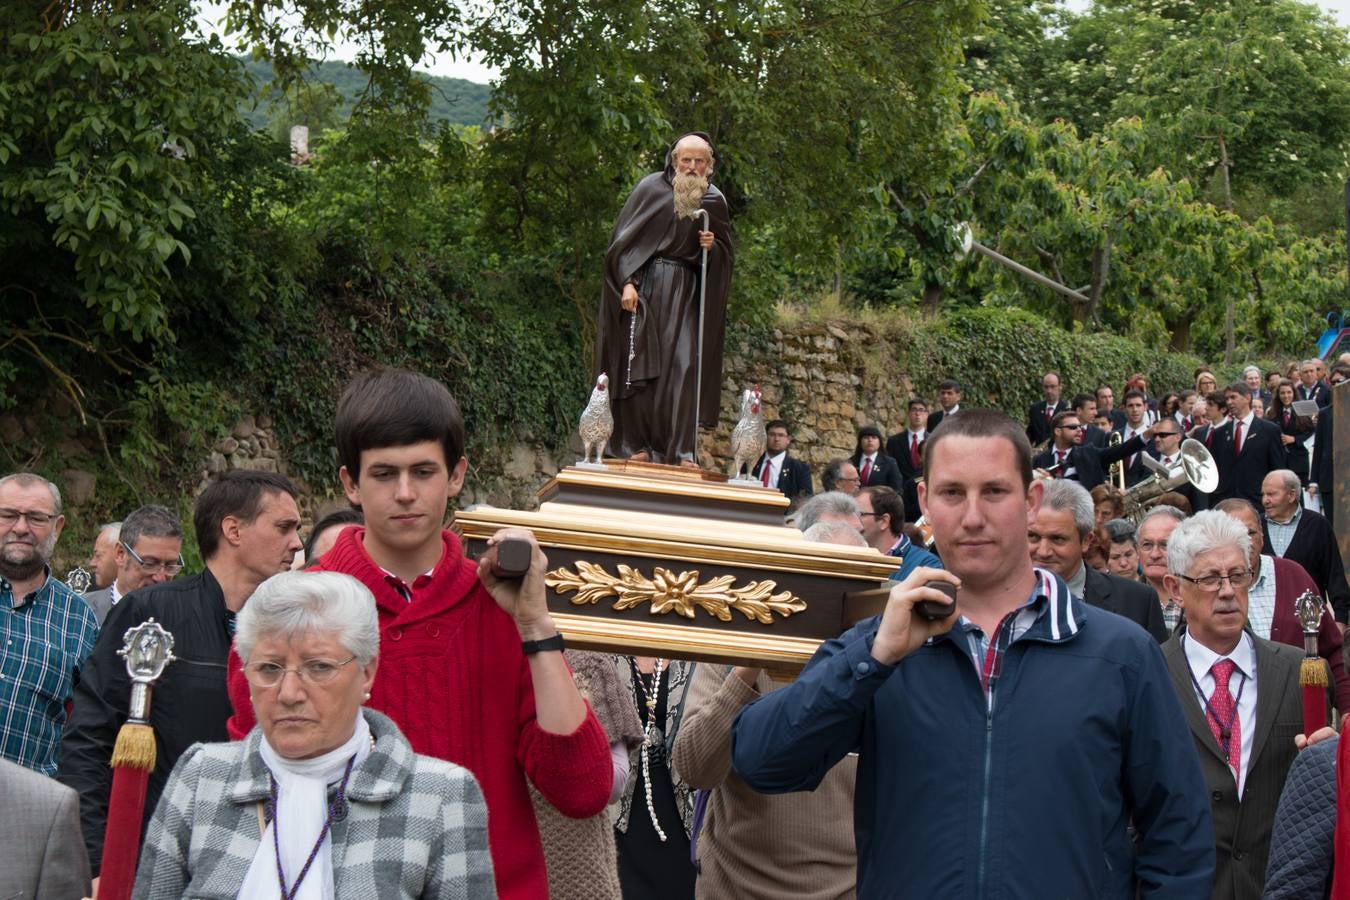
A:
(302, 807)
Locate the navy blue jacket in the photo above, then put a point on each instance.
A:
(1028, 800)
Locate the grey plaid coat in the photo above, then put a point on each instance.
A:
(417, 826)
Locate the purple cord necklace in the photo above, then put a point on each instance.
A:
(337, 811)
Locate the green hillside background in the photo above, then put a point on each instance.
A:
(453, 100)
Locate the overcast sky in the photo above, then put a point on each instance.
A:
(473, 71)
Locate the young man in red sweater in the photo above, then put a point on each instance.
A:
(469, 669)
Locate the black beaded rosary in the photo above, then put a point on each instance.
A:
(337, 811)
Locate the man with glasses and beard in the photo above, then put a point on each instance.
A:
(648, 324)
(48, 630)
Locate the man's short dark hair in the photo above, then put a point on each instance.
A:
(345, 516)
(239, 494)
(981, 423)
(1216, 398)
(1132, 394)
(885, 501)
(1186, 395)
(950, 384)
(916, 401)
(396, 408)
(1238, 387)
(777, 423)
(1063, 414)
(150, 521)
(1082, 400)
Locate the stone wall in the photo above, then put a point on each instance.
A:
(825, 381)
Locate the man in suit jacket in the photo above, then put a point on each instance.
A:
(1106, 406)
(1167, 438)
(949, 398)
(1086, 407)
(1246, 449)
(40, 845)
(1061, 534)
(1309, 386)
(1252, 377)
(791, 476)
(874, 466)
(149, 551)
(1270, 600)
(905, 448)
(1043, 411)
(1086, 465)
(1299, 534)
(1240, 694)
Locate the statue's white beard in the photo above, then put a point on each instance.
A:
(689, 191)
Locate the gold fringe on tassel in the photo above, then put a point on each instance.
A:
(1313, 672)
(135, 747)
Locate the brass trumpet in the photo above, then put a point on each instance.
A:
(1117, 467)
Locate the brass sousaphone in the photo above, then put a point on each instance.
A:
(1194, 466)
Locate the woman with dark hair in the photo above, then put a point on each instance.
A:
(1169, 404)
(874, 466)
(1295, 430)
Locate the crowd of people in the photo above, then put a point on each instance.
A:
(1111, 708)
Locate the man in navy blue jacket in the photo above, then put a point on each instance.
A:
(1006, 748)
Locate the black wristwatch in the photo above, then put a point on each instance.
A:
(549, 643)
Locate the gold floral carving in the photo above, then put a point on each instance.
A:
(668, 592)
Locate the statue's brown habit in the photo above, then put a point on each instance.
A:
(653, 395)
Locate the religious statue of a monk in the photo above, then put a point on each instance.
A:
(649, 309)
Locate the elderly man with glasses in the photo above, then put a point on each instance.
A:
(149, 551)
(1240, 694)
(48, 631)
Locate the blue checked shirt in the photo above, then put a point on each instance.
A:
(45, 638)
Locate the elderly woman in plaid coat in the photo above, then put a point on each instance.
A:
(323, 800)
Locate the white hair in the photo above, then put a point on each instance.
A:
(112, 529)
(1256, 369)
(1065, 495)
(832, 532)
(1286, 478)
(296, 603)
(1170, 512)
(1201, 533)
(828, 503)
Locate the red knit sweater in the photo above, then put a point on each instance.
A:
(452, 677)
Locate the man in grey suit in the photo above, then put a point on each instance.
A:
(149, 551)
(40, 843)
(1240, 694)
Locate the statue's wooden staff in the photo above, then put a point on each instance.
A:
(698, 354)
(147, 648)
(1313, 676)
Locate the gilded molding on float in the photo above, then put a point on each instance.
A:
(668, 592)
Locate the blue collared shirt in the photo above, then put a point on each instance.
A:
(1282, 534)
(45, 638)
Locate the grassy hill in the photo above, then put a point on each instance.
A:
(453, 100)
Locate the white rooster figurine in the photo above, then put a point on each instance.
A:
(747, 438)
(597, 423)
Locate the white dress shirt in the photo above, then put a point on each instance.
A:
(775, 464)
(1201, 659)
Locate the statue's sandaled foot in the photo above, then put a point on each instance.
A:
(641, 456)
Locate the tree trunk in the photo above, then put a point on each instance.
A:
(932, 296)
(1181, 334)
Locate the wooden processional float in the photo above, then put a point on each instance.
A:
(685, 563)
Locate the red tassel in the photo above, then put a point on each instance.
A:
(1314, 708)
(122, 836)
